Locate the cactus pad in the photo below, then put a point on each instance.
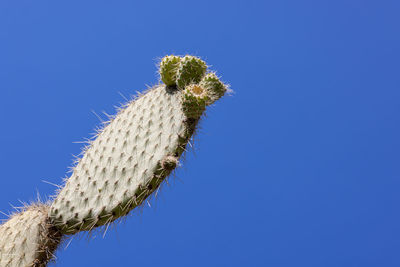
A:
(27, 239)
(215, 88)
(125, 162)
(168, 69)
(194, 101)
(191, 70)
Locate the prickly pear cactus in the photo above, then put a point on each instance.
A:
(129, 159)
(28, 239)
(136, 151)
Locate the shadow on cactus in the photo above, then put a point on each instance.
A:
(126, 162)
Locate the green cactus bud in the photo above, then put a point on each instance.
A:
(215, 88)
(194, 101)
(168, 69)
(191, 70)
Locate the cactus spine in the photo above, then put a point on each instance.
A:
(129, 159)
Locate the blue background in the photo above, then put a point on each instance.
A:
(299, 167)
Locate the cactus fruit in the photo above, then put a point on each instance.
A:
(28, 238)
(129, 159)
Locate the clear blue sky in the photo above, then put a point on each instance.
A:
(300, 167)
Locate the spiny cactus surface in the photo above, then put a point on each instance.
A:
(191, 70)
(136, 151)
(169, 68)
(124, 164)
(28, 238)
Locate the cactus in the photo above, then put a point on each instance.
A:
(128, 160)
(191, 70)
(28, 238)
(123, 165)
(214, 87)
(194, 101)
(168, 69)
